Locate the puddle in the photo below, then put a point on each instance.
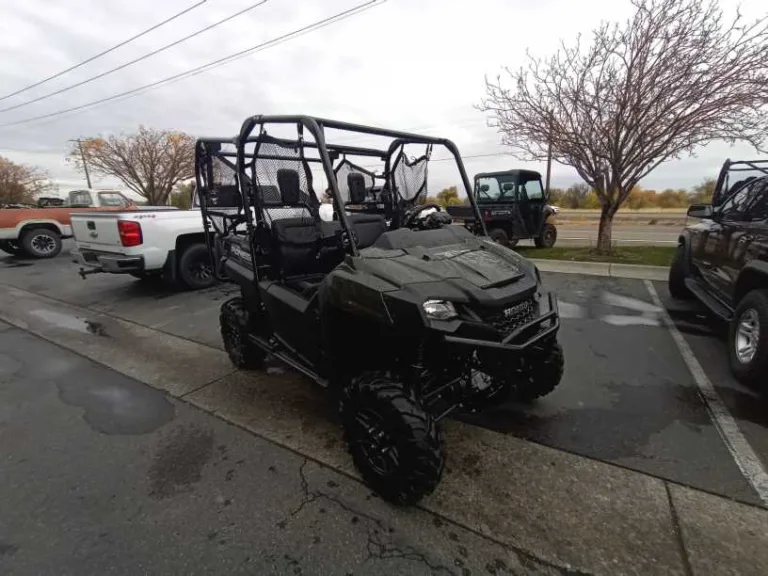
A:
(125, 407)
(62, 320)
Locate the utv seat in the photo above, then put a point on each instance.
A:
(368, 227)
(296, 239)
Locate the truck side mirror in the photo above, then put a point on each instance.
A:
(700, 211)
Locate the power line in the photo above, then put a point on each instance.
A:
(134, 61)
(100, 54)
(214, 64)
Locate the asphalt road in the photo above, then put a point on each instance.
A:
(627, 396)
(101, 474)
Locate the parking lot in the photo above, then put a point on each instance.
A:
(628, 397)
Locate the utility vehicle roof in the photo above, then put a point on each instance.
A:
(527, 174)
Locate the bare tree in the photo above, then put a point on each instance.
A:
(21, 183)
(677, 75)
(149, 162)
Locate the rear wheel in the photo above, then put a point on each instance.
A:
(11, 247)
(41, 243)
(748, 339)
(677, 274)
(547, 238)
(235, 324)
(396, 445)
(196, 268)
(523, 378)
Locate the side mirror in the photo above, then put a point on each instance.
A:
(701, 211)
(484, 188)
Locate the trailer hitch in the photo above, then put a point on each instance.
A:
(83, 272)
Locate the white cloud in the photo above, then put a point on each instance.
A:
(404, 64)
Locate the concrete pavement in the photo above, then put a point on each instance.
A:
(564, 510)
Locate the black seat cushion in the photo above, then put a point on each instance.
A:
(368, 228)
(290, 186)
(356, 185)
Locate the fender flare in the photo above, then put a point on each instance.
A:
(754, 269)
(46, 222)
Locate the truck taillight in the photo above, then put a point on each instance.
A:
(130, 232)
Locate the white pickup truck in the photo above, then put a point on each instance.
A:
(150, 243)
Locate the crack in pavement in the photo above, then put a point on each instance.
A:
(377, 546)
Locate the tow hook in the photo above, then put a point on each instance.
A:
(83, 272)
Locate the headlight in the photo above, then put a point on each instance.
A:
(439, 310)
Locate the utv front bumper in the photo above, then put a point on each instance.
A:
(526, 334)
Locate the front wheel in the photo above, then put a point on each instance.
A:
(748, 339)
(499, 236)
(547, 238)
(677, 274)
(235, 324)
(523, 378)
(395, 444)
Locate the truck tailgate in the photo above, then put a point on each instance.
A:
(97, 231)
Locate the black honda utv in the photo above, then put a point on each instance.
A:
(404, 323)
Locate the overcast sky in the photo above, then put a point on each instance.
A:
(406, 64)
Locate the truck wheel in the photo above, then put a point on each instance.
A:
(748, 339)
(547, 238)
(195, 267)
(41, 243)
(11, 247)
(521, 378)
(395, 444)
(499, 236)
(677, 273)
(234, 323)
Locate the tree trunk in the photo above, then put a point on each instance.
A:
(604, 231)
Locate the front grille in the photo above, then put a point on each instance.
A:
(508, 319)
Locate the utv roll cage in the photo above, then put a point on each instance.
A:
(724, 189)
(238, 187)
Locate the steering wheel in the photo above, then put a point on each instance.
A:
(411, 217)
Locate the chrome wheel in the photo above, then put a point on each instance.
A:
(43, 244)
(747, 336)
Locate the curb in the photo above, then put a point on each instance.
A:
(611, 269)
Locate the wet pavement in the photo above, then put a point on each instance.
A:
(101, 474)
(627, 397)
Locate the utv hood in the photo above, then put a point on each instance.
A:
(473, 270)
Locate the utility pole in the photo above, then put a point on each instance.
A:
(82, 157)
(549, 165)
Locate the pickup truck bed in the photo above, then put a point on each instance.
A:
(160, 242)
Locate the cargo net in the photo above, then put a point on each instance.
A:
(343, 171)
(296, 199)
(410, 177)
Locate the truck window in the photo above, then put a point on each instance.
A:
(749, 204)
(112, 199)
(80, 199)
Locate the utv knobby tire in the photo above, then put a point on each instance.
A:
(41, 243)
(235, 325)
(524, 378)
(547, 238)
(677, 273)
(755, 371)
(411, 464)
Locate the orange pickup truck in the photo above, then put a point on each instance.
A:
(38, 232)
